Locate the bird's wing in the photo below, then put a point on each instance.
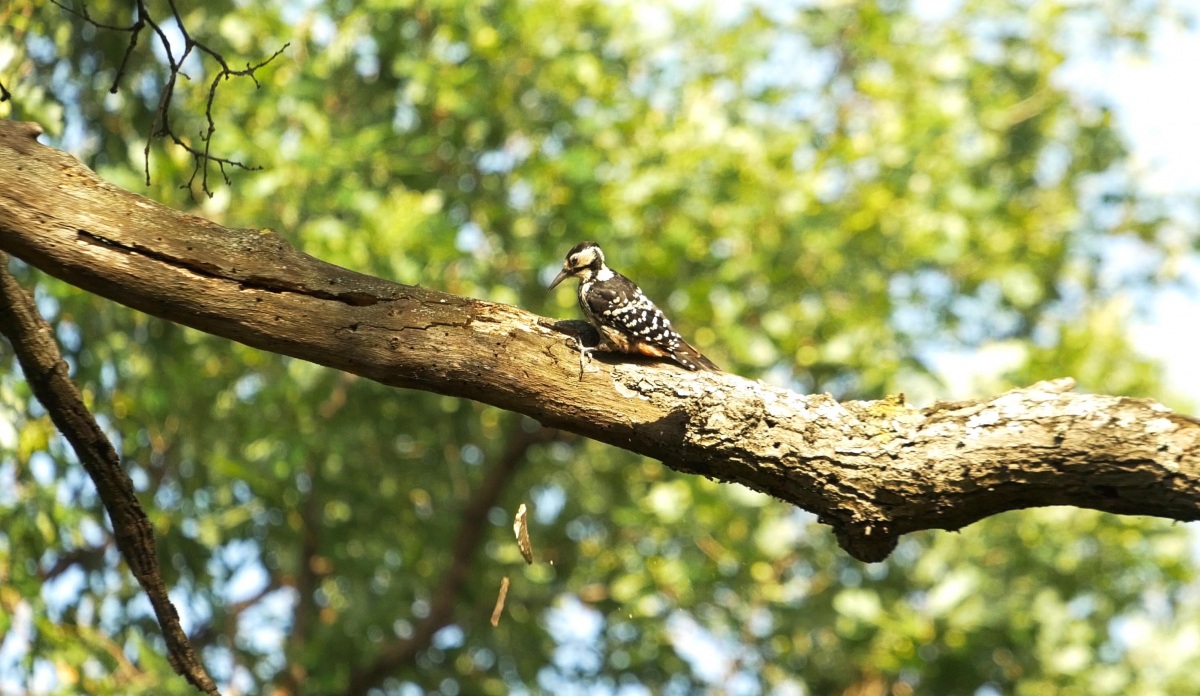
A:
(622, 306)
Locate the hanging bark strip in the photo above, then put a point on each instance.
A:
(500, 599)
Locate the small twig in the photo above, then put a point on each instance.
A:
(134, 30)
(204, 635)
(160, 112)
(85, 16)
(88, 558)
(499, 608)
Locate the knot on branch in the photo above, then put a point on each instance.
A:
(29, 129)
(869, 542)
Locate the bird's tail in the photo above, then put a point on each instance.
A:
(692, 359)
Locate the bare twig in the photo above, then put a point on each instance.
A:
(32, 340)
(500, 597)
(87, 558)
(83, 14)
(227, 623)
(134, 30)
(160, 123)
(306, 582)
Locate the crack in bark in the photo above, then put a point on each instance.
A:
(433, 325)
(252, 282)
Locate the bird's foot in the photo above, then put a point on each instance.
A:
(585, 355)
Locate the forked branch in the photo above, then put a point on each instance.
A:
(160, 124)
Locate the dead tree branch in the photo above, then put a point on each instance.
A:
(46, 372)
(872, 470)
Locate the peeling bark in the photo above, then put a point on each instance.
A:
(872, 470)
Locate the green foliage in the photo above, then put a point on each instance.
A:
(827, 195)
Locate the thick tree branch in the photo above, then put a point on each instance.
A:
(872, 470)
(33, 342)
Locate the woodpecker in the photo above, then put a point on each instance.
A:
(628, 322)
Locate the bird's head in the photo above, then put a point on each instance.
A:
(584, 261)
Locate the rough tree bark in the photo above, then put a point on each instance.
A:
(871, 470)
(47, 374)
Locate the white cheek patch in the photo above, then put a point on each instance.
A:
(604, 274)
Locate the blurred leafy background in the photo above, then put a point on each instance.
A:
(830, 196)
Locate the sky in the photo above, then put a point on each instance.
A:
(1158, 110)
(1160, 114)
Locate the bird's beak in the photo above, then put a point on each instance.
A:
(562, 275)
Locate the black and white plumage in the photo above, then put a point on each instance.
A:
(628, 322)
